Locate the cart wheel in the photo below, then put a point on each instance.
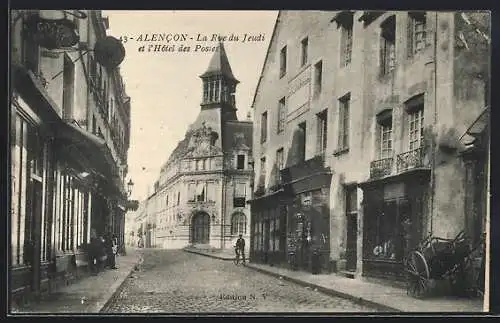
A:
(418, 274)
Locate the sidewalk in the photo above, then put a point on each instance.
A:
(88, 295)
(366, 293)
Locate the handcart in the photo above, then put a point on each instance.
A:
(439, 259)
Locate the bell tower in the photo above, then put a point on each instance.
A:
(219, 86)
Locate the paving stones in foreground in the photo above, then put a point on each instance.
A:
(173, 281)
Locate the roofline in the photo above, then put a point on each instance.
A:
(266, 58)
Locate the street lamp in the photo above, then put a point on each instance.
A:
(130, 185)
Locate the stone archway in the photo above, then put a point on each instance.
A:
(200, 228)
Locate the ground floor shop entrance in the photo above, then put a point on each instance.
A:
(393, 223)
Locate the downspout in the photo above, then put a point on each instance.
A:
(223, 206)
(433, 170)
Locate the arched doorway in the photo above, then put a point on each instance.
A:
(200, 228)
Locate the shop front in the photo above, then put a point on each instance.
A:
(308, 218)
(268, 229)
(394, 219)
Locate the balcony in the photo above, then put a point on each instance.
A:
(381, 168)
(410, 160)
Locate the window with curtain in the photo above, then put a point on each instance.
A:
(238, 224)
(415, 127)
(346, 26)
(281, 115)
(388, 45)
(344, 122)
(385, 127)
(305, 51)
(322, 132)
(283, 62)
(417, 26)
(211, 191)
(200, 191)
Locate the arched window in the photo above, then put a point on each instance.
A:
(238, 224)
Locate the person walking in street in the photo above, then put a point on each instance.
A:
(240, 247)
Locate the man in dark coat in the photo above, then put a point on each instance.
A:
(240, 246)
(94, 252)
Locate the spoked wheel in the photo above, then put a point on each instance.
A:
(418, 274)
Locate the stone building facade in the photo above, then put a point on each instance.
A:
(358, 118)
(200, 196)
(70, 128)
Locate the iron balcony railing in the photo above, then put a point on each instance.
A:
(381, 168)
(411, 159)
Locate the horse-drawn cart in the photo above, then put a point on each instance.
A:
(438, 259)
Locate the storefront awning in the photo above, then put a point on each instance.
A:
(30, 87)
(91, 150)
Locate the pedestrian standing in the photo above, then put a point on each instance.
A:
(240, 246)
(94, 251)
(110, 251)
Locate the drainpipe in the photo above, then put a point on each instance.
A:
(433, 145)
(223, 206)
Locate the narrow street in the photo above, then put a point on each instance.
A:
(173, 281)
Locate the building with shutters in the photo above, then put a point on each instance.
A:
(200, 197)
(69, 130)
(360, 127)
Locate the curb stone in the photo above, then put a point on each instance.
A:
(324, 290)
(113, 291)
(329, 291)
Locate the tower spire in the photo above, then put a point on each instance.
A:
(219, 65)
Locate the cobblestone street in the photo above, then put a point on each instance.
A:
(177, 282)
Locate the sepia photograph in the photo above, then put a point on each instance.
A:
(246, 162)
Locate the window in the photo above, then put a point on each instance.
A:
(302, 142)
(192, 192)
(263, 167)
(178, 198)
(68, 87)
(322, 132)
(304, 46)
(200, 192)
(240, 162)
(416, 32)
(346, 25)
(263, 128)
(238, 224)
(388, 45)
(283, 62)
(211, 191)
(279, 161)
(416, 127)
(166, 202)
(281, 115)
(385, 127)
(239, 198)
(344, 103)
(318, 77)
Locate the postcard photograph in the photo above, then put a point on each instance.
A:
(247, 162)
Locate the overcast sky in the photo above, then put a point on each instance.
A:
(165, 87)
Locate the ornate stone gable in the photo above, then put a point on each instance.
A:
(202, 142)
